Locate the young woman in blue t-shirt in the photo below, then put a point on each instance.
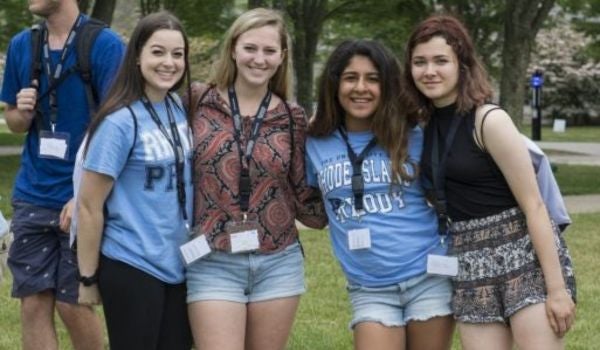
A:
(363, 154)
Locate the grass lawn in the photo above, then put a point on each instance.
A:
(9, 139)
(324, 313)
(577, 179)
(8, 169)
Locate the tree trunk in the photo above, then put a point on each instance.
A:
(523, 19)
(103, 10)
(308, 17)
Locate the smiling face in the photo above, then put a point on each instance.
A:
(257, 55)
(162, 62)
(434, 68)
(359, 93)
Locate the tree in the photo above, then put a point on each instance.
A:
(522, 21)
(571, 78)
(14, 16)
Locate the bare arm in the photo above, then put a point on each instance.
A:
(93, 192)
(508, 149)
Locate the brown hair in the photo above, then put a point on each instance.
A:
(474, 88)
(390, 124)
(128, 85)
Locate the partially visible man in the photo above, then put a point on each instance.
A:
(43, 266)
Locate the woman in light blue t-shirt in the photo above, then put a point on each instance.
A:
(363, 154)
(134, 201)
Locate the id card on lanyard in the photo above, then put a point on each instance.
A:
(440, 264)
(53, 144)
(244, 232)
(358, 238)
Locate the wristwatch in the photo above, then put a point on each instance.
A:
(88, 280)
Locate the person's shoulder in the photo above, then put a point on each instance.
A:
(490, 111)
(23, 38)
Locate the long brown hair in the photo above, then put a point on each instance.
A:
(390, 124)
(128, 86)
(474, 88)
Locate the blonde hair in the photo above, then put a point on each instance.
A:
(224, 70)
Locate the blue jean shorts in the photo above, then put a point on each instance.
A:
(40, 257)
(417, 299)
(246, 277)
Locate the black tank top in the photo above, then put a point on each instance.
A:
(473, 188)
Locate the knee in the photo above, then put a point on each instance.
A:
(37, 305)
(68, 311)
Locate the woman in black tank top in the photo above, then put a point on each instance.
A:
(515, 278)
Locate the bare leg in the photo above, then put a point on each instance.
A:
(489, 336)
(374, 335)
(433, 334)
(83, 325)
(270, 322)
(37, 322)
(218, 325)
(531, 329)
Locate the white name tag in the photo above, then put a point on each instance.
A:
(244, 241)
(359, 239)
(442, 265)
(195, 249)
(53, 147)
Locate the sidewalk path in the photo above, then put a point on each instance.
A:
(580, 153)
(10, 150)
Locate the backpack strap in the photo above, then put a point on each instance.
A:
(485, 115)
(36, 67)
(135, 130)
(84, 44)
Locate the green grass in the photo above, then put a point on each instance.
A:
(324, 313)
(8, 170)
(7, 138)
(571, 134)
(577, 179)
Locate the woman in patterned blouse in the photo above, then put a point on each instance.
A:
(249, 190)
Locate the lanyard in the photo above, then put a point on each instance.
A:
(438, 170)
(175, 142)
(358, 181)
(245, 184)
(58, 70)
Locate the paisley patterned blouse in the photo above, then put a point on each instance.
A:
(279, 194)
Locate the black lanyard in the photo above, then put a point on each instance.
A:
(438, 169)
(58, 70)
(175, 142)
(358, 181)
(245, 183)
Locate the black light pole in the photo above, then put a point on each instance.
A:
(537, 80)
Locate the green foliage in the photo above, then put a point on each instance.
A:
(14, 17)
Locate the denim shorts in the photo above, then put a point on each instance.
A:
(40, 257)
(417, 299)
(246, 277)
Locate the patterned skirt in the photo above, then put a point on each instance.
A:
(498, 272)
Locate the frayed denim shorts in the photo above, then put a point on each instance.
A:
(247, 277)
(417, 299)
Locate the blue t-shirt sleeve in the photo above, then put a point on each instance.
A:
(109, 147)
(311, 172)
(11, 83)
(107, 55)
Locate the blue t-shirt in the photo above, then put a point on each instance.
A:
(143, 223)
(403, 227)
(47, 182)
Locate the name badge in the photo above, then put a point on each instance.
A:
(194, 249)
(442, 265)
(244, 241)
(359, 239)
(54, 145)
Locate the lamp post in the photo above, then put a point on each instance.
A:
(536, 82)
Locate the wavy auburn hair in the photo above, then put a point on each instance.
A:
(474, 87)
